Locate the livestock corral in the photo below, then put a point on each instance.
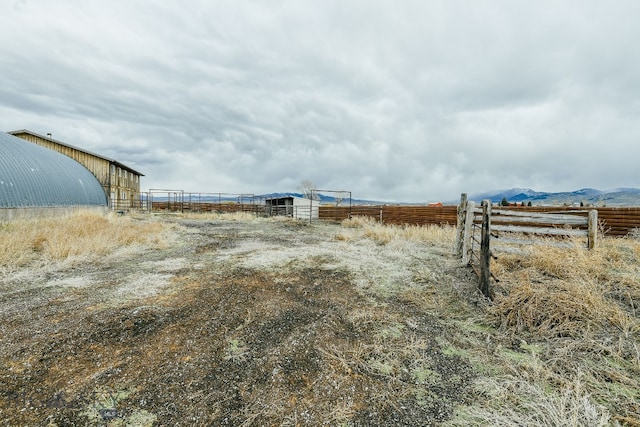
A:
(614, 221)
(240, 320)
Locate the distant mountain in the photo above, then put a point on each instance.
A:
(626, 190)
(586, 196)
(513, 194)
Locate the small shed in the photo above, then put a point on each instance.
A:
(293, 207)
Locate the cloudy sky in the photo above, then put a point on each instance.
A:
(415, 100)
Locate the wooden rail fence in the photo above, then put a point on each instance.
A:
(614, 221)
(484, 232)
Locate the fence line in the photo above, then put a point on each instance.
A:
(614, 221)
(522, 228)
(388, 214)
(510, 228)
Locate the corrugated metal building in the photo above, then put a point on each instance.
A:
(35, 177)
(121, 183)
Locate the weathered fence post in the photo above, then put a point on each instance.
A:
(592, 229)
(485, 251)
(460, 232)
(467, 241)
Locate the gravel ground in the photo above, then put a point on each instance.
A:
(238, 323)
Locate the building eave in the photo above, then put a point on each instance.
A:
(64, 144)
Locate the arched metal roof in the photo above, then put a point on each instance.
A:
(34, 176)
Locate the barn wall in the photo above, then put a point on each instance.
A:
(99, 167)
(121, 185)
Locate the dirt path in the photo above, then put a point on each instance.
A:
(237, 323)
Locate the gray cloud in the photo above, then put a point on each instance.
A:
(413, 101)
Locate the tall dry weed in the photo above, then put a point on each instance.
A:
(359, 222)
(559, 308)
(382, 233)
(82, 234)
(566, 291)
(223, 216)
(581, 308)
(514, 401)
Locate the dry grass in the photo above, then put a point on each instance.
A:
(532, 405)
(367, 227)
(222, 216)
(566, 291)
(565, 351)
(82, 234)
(559, 346)
(559, 308)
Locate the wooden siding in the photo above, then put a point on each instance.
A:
(98, 167)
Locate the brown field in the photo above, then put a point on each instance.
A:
(243, 321)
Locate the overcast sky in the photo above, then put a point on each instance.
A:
(393, 100)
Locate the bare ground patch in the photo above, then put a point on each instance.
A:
(236, 323)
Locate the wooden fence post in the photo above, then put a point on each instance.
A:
(593, 229)
(467, 241)
(460, 231)
(485, 251)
